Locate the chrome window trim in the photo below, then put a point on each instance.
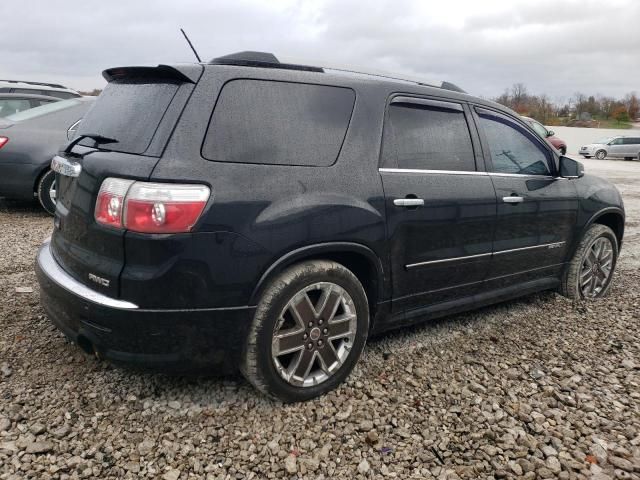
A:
(465, 172)
(418, 170)
(480, 255)
(57, 275)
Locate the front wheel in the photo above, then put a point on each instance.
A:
(590, 271)
(308, 331)
(563, 150)
(601, 154)
(46, 191)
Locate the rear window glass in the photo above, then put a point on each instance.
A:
(128, 111)
(43, 110)
(278, 123)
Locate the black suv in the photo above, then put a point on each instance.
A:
(254, 214)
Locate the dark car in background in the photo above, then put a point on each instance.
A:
(267, 216)
(11, 103)
(548, 135)
(28, 141)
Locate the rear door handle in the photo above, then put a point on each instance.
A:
(408, 202)
(513, 199)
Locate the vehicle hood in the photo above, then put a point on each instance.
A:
(593, 145)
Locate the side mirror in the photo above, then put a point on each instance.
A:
(550, 133)
(570, 168)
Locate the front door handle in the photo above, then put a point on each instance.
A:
(513, 199)
(408, 202)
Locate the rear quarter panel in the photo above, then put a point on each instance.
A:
(259, 213)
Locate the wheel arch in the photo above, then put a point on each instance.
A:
(613, 218)
(361, 260)
(40, 173)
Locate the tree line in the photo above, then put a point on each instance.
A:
(579, 110)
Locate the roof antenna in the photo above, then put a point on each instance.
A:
(191, 45)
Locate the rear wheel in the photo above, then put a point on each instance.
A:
(601, 154)
(590, 270)
(46, 191)
(308, 331)
(628, 158)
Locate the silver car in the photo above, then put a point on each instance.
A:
(614, 147)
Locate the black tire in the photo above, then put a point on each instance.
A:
(258, 364)
(570, 286)
(601, 154)
(563, 150)
(628, 158)
(44, 191)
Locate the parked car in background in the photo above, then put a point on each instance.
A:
(28, 141)
(548, 135)
(614, 147)
(11, 103)
(247, 213)
(37, 88)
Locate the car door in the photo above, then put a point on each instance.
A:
(616, 148)
(631, 147)
(440, 207)
(536, 210)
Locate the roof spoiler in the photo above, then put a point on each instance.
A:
(182, 73)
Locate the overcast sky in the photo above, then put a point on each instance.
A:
(556, 47)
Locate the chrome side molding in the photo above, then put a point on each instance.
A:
(482, 255)
(65, 167)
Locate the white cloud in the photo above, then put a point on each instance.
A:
(557, 47)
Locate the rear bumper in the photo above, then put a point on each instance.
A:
(177, 341)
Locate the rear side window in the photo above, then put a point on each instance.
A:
(128, 111)
(430, 136)
(60, 94)
(278, 123)
(632, 141)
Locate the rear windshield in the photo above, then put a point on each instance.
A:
(128, 111)
(43, 110)
(278, 123)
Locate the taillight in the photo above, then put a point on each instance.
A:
(3, 141)
(110, 203)
(150, 207)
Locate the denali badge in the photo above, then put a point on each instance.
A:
(99, 280)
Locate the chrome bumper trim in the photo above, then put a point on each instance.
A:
(57, 275)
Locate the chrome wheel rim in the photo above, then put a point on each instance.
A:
(597, 266)
(53, 192)
(314, 334)
(600, 155)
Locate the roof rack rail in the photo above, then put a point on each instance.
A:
(443, 84)
(269, 60)
(53, 85)
(260, 59)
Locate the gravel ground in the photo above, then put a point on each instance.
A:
(534, 388)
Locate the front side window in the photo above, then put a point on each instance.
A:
(427, 137)
(512, 148)
(616, 141)
(278, 123)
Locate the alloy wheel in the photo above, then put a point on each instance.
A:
(314, 334)
(596, 267)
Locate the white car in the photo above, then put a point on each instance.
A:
(615, 147)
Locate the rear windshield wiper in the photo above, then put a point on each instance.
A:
(99, 139)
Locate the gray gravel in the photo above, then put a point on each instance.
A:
(534, 388)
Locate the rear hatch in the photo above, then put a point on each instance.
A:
(136, 112)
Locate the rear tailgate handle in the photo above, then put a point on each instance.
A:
(65, 167)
